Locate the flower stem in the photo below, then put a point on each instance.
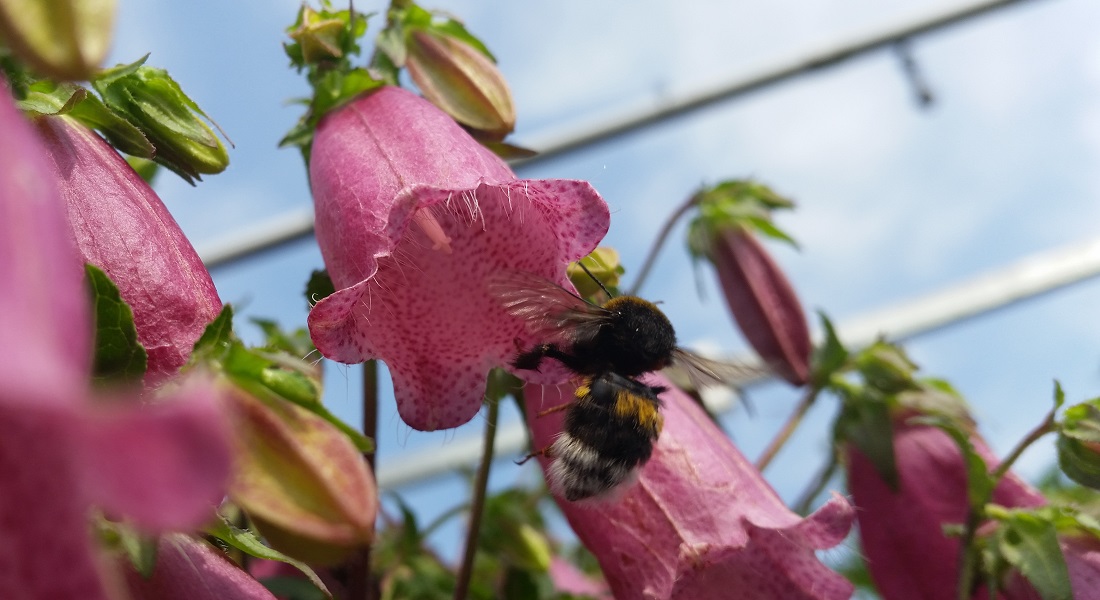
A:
(788, 428)
(360, 586)
(477, 504)
(660, 241)
(1040, 430)
(976, 515)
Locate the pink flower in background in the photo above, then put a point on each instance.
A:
(63, 451)
(907, 552)
(700, 522)
(122, 227)
(412, 216)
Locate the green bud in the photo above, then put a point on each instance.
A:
(1079, 443)
(604, 264)
(153, 101)
(61, 39)
(462, 81)
(886, 368)
(319, 36)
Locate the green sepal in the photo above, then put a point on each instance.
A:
(829, 357)
(295, 343)
(145, 168)
(247, 542)
(886, 368)
(1079, 443)
(150, 99)
(411, 17)
(731, 205)
(865, 422)
(1027, 540)
(268, 373)
(138, 548)
(119, 356)
(48, 98)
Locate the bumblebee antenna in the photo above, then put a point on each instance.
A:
(580, 263)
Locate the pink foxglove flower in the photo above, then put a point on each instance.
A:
(62, 451)
(700, 522)
(901, 532)
(191, 569)
(412, 216)
(122, 227)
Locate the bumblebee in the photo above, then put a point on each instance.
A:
(614, 420)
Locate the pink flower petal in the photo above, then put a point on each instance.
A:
(701, 522)
(911, 557)
(190, 569)
(122, 227)
(571, 580)
(43, 311)
(45, 548)
(165, 466)
(412, 216)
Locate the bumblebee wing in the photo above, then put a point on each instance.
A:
(551, 312)
(699, 371)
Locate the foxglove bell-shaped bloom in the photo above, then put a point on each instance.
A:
(413, 215)
(122, 227)
(700, 523)
(62, 452)
(908, 554)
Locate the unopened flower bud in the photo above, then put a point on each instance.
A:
(301, 480)
(64, 40)
(150, 99)
(462, 81)
(317, 36)
(762, 301)
(604, 265)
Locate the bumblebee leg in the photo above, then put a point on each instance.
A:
(555, 409)
(531, 359)
(544, 452)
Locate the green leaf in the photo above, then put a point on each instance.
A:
(830, 356)
(1078, 461)
(295, 343)
(1059, 395)
(53, 99)
(319, 287)
(1029, 543)
(247, 542)
(292, 588)
(118, 354)
(216, 338)
(140, 549)
(865, 422)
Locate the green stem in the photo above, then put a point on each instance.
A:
(359, 583)
(660, 241)
(477, 504)
(788, 428)
(976, 515)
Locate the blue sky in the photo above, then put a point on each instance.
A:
(893, 201)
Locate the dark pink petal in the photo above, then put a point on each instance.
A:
(764, 304)
(164, 466)
(122, 227)
(412, 216)
(701, 522)
(43, 309)
(46, 551)
(911, 557)
(190, 569)
(1083, 559)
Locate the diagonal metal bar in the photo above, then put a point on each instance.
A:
(1033, 276)
(296, 225)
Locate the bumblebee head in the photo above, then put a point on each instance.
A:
(642, 334)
